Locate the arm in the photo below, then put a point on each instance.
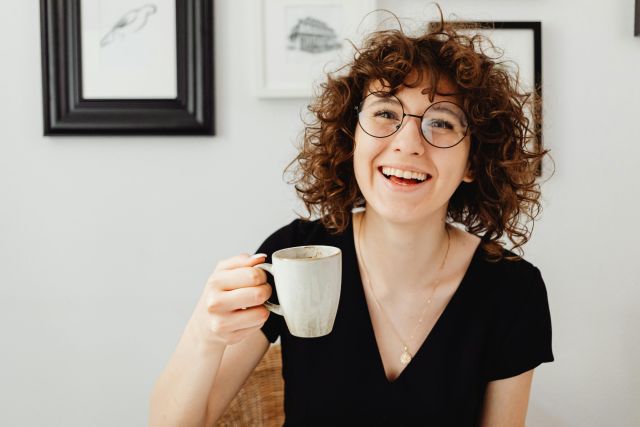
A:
(506, 401)
(199, 382)
(229, 312)
(238, 363)
(179, 396)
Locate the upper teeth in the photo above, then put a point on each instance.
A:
(404, 174)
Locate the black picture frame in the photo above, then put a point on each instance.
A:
(637, 26)
(65, 110)
(536, 27)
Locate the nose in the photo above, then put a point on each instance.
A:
(408, 138)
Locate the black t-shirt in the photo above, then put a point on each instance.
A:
(496, 325)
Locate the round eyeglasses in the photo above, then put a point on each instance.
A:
(443, 124)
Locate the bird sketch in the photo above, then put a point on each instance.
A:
(131, 22)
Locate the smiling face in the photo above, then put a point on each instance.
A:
(390, 171)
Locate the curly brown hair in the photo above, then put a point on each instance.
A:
(502, 120)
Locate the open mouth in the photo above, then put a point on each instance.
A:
(404, 181)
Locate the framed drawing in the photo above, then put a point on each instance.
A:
(521, 43)
(637, 26)
(127, 67)
(300, 40)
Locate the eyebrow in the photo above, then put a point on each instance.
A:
(440, 107)
(427, 91)
(386, 100)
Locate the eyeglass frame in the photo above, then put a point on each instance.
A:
(421, 117)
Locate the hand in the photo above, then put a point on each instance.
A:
(230, 308)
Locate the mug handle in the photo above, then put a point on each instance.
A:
(274, 308)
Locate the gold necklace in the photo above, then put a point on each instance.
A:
(405, 356)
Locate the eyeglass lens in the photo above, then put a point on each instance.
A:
(443, 124)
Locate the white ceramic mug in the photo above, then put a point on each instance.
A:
(307, 281)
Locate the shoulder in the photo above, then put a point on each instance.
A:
(519, 275)
(510, 283)
(514, 299)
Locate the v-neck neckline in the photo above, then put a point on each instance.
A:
(442, 318)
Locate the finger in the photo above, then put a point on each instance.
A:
(240, 277)
(242, 260)
(241, 319)
(240, 298)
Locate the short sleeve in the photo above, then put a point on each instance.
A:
(525, 341)
(284, 237)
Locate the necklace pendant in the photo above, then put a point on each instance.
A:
(405, 357)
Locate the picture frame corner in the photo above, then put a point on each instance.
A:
(62, 74)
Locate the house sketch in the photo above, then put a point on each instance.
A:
(314, 36)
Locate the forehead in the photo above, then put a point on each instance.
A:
(421, 84)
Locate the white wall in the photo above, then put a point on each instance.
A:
(105, 243)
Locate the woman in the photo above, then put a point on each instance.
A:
(436, 325)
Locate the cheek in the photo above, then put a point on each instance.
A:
(459, 159)
(359, 165)
(360, 154)
(363, 159)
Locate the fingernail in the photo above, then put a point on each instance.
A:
(256, 256)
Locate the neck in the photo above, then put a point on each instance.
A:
(401, 257)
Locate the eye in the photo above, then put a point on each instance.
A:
(439, 123)
(385, 114)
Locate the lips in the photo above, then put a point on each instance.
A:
(395, 183)
(404, 168)
(403, 176)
